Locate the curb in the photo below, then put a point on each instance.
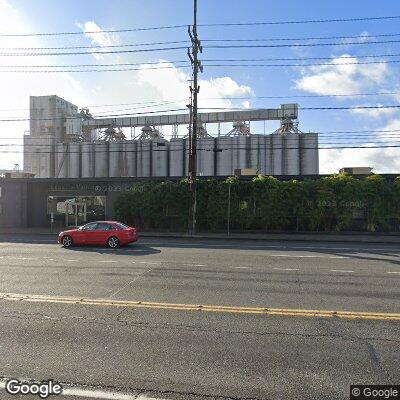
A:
(386, 239)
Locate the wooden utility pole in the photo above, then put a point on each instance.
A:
(193, 53)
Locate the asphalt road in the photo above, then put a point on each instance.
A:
(127, 324)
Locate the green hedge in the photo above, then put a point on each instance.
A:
(335, 203)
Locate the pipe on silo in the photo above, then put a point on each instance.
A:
(61, 160)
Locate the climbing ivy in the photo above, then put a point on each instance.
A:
(335, 203)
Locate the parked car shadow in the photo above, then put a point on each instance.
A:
(129, 250)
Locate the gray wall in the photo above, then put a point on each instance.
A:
(13, 202)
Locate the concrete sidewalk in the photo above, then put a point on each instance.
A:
(310, 237)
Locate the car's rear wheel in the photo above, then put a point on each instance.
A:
(113, 242)
(67, 241)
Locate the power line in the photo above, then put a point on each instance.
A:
(205, 25)
(95, 65)
(207, 149)
(299, 58)
(186, 66)
(90, 52)
(93, 46)
(303, 38)
(44, 71)
(204, 60)
(310, 21)
(298, 65)
(93, 32)
(248, 46)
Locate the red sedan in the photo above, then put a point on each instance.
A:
(111, 233)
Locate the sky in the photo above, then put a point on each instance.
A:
(309, 86)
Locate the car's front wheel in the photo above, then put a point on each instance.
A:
(67, 241)
(113, 242)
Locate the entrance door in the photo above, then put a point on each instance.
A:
(75, 214)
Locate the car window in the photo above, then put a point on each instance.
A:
(90, 227)
(104, 227)
(122, 226)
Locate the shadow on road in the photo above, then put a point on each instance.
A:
(130, 250)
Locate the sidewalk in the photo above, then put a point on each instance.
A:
(310, 237)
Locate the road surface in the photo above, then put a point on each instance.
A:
(182, 319)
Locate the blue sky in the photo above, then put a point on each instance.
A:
(111, 88)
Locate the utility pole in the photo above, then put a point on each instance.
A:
(194, 89)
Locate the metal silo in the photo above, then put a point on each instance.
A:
(256, 149)
(74, 160)
(267, 156)
(101, 156)
(144, 158)
(176, 157)
(115, 167)
(130, 157)
(292, 144)
(309, 154)
(205, 156)
(277, 154)
(159, 157)
(224, 156)
(87, 157)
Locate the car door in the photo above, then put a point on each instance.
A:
(102, 233)
(87, 233)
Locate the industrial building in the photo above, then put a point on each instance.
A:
(66, 143)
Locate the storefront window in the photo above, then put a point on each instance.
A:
(75, 211)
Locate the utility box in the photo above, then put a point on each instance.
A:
(356, 170)
(245, 172)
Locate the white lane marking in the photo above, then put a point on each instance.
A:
(341, 270)
(241, 267)
(393, 272)
(148, 262)
(301, 256)
(287, 269)
(107, 261)
(93, 393)
(71, 260)
(195, 265)
(22, 258)
(245, 246)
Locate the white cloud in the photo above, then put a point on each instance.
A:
(341, 77)
(382, 160)
(173, 83)
(22, 85)
(374, 112)
(246, 104)
(98, 37)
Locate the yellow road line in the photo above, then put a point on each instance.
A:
(200, 307)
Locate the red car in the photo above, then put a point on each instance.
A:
(111, 233)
